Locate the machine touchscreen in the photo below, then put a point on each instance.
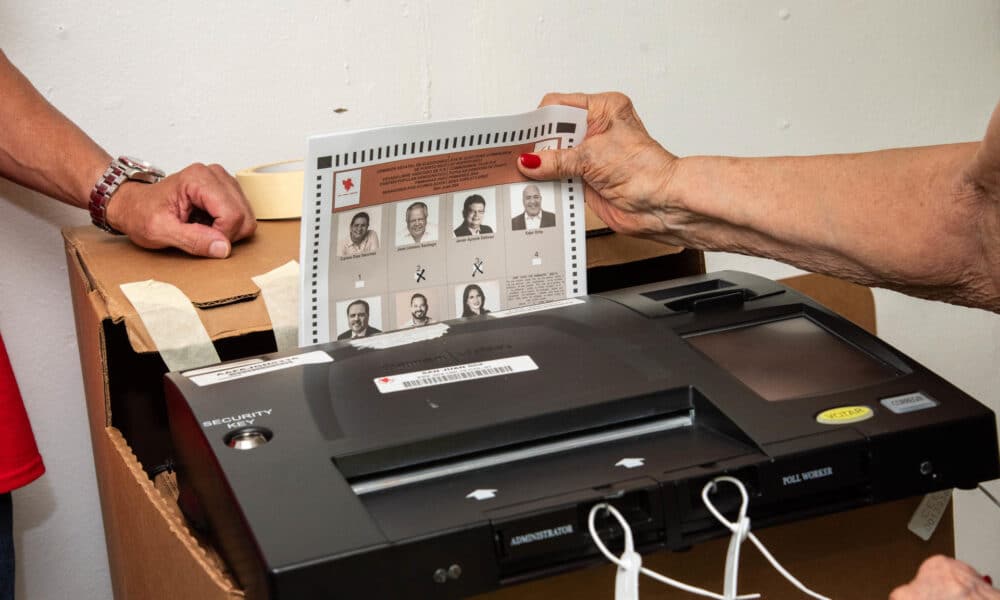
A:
(795, 357)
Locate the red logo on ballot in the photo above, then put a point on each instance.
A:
(348, 184)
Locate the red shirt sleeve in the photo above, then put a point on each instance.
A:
(20, 462)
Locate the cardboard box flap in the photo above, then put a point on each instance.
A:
(226, 299)
(593, 223)
(606, 248)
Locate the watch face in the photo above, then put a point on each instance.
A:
(130, 162)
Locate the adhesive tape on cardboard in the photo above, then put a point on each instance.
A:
(280, 289)
(173, 324)
(274, 190)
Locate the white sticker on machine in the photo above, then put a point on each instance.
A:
(249, 368)
(928, 514)
(908, 402)
(465, 372)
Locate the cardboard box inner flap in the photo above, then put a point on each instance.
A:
(606, 248)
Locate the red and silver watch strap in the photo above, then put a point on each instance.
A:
(121, 169)
(105, 187)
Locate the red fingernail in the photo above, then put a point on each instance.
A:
(531, 161)
(988, 579)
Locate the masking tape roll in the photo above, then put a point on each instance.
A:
(274, 190)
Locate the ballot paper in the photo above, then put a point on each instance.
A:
(411, 225)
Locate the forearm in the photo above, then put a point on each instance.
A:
(925, 221)
(42, 149)
(907, 219)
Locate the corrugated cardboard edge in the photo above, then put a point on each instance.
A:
(172, 517)
(138, 528)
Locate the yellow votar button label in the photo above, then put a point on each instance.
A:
(842, 415)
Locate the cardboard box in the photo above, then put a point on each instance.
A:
(153, 553)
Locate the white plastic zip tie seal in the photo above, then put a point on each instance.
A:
(630, 563)
(741, 531)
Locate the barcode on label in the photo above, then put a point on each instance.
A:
(455, 373)
(476, 374)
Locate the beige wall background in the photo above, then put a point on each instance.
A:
(244, 83)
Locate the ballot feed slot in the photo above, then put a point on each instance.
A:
(690, 289)
(555, 445)
(703, 294)
(651, 416)
(422, 447)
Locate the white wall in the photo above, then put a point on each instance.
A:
(243, 83)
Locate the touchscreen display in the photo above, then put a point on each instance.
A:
(787, 359)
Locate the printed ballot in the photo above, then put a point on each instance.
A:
(411, 225)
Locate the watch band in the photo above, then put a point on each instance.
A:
(120, 170)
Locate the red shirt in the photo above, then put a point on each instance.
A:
(20, 462)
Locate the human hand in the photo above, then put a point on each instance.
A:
(157, 215)
(943, 578)
(626, 171)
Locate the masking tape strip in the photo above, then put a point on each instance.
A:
(172, 323)
(274, 190)
(280, 289)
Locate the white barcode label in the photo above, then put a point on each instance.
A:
(466, 372)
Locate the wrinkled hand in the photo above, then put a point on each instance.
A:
(943, 578)
(156, 215)
(627, 172)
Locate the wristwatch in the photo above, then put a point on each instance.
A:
(121, 169)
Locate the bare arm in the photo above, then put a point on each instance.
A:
(925, 221)
(905, 219)
(40, 148)
(43, 150)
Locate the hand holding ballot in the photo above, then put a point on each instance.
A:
(864, 217)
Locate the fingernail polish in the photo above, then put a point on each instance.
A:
(531, 161)
(988, 579)
(218, 249)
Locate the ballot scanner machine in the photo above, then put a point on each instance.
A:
(451, 461)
